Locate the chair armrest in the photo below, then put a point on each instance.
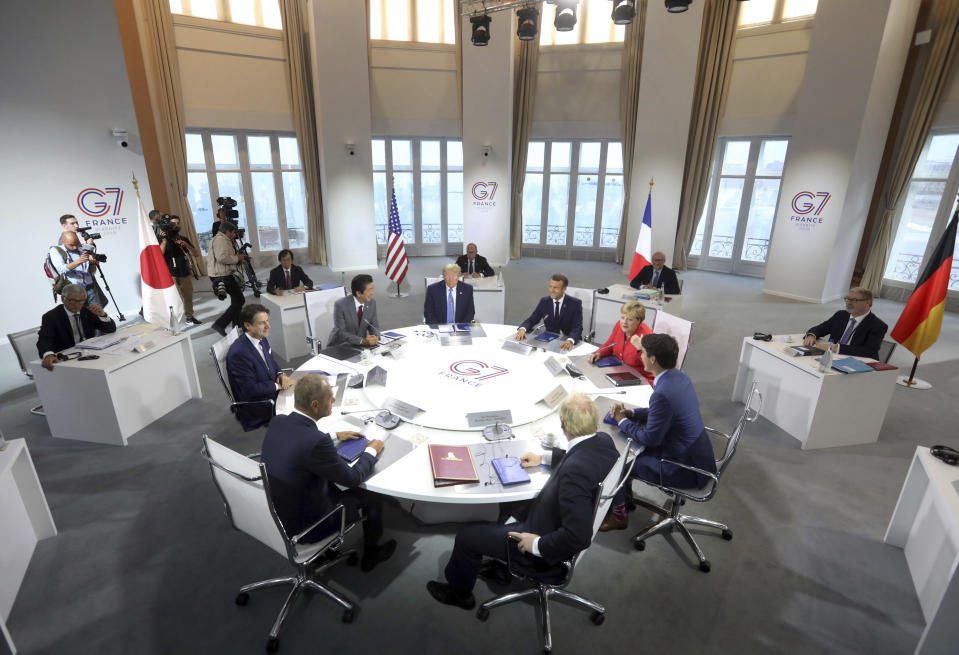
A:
(206, 455)
(286, 371)
(252, 402)
(254, 456)
(339, 508)
(713, 476)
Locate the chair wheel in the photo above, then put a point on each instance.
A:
(352, 559)
(704, 566)
(728, 535)
(640, 545)
(347, 616)
(272, 645)
(242, 599)
(597, 618)
(482, 614)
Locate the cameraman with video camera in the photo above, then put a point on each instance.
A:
(178, 252)
(222, 262)
(76, 264)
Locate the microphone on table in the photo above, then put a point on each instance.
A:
(615, 343)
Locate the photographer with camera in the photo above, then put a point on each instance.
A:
(76, 264)
(178, 252)
(69, 223)
(223, 261)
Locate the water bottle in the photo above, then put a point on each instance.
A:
(661, 295)
(499, 278)
(173, 323)
(825, 362)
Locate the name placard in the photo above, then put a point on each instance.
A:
(517, 347)
(482, 419)
(401, 409)
(555, 397)
(554, 366)
(377, 375)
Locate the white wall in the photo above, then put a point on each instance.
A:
(577, 92)
(64, 87)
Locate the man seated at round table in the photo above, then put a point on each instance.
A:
(449, 300)
(68, 324)
(624, 341)
(561, 313)
(855, 331)
(657, 275)
(473, 265)
(354, 317)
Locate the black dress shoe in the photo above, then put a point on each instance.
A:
(219, 330)
(382, 553)
(496, 571)
(194, 320)
(445, 594)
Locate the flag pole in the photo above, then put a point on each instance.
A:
(651, 183)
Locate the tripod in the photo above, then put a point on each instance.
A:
(106, 286)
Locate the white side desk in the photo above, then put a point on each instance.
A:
(287, 324)
(489, 299)
(607, 308)
(107, 400)
(925, 524)
(24, 520)
(814, 407)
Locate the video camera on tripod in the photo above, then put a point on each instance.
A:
(226, 204)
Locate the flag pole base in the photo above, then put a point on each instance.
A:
(400, 294)
(915, 383)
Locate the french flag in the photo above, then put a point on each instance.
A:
(644, 244)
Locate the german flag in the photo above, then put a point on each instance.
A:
(918, 327)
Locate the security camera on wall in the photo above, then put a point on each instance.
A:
(122, 138)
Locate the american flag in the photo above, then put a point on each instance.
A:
(396, 261)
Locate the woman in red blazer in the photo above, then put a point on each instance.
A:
(624, 341)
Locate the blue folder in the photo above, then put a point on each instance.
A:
(609, 360)
(851, 365)
(547, 336)
(352, 448)
(510, 471)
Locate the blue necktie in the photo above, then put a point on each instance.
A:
(655, 283)
(844, 340)
(265, 347)
(449, 305)
(76, 318)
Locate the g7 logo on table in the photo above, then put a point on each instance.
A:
(472, 371)
(90, 201)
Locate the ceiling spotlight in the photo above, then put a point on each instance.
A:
(565, 19)
(480, 29)
(526, 26)
(677, 6)
(623, 11)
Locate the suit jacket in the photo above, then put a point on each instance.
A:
(346, 328)
(278, 279)
(434, 307)
(667, 279)
(570, 321)
(302, 466)
(252, 379)
(480, 265)
(562, 513)
(865, 340)
(625, 350)
(671, 428)
(56, 334)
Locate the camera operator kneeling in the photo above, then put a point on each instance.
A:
(222, 261)
(176, 251)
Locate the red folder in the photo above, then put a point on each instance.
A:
(452, 465)
(882, 366)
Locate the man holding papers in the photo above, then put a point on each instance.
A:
(561, 313)
(449, 300)
(68, 324)
(856, 331)
(551, 528)
(304, 468)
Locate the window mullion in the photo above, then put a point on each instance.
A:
(246, 180)
(600, 193)
(444, 189)
(571, 195)
(279, 191)
(544, 201)
(211, 180)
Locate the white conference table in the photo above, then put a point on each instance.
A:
(489, 298)
(821, 410)
(107, 400)
(446, 382)
(287, 324)
(608, 306)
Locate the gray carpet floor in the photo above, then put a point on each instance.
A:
(146, 562)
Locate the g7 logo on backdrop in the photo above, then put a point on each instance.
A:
(473, 367)
(91, 201)
(805, 202)
(485, 190)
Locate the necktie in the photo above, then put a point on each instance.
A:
(449, 305)
(289, 281)
(359, 315)
(655, 279)
(266, 356)
(76, 319)
(556, 309)
(844, 340)
(472, 270)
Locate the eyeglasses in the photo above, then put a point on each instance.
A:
(848, 299)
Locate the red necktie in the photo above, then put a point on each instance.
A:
(359, 316)
(289, 282)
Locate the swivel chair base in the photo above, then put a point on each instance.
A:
(673, 519)
(302, 580)
(38, 410)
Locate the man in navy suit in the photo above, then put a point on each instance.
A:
(287, 276)
(551, 528)
(304, 469)
(671, 428)
(68, 324)
(449, 300)
(657, 275)
(254, 374)
(856, 331)
(563, 314)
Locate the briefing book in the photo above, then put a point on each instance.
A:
(452, 465)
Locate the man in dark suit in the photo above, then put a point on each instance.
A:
(354, 317)
(563, 313)
(473, 265)
(551, 528)
(68, 324)
(287, 276)
(670, 428)
(254, 374)
(303, 469)
(856, 331)
(657, 275)
(449, 300)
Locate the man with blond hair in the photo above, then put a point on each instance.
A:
(449, 300)
(551, 528)
(855, 331)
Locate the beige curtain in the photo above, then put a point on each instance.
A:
(524, 95)
(299, 75)
(713, 71)
(628, 103)
(155, 25)
(944, 21)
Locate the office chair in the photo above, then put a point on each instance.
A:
(20, 341)
(245, 489)
(218, 352)
(886, 349)
(553, 582)
(672, 518)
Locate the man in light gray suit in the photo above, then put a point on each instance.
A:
(354, 317)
